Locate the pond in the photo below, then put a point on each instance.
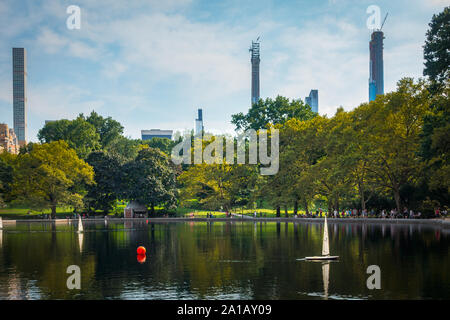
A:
(222, 260)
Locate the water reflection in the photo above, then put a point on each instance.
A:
(203, 260)
(80, 241)
(325, 277)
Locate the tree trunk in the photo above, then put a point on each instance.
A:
(305, 204)
(53, 215)
(363, 200)
(278, 211)
(295, 207)
(286, 211)
(152, 209)
(397, 199)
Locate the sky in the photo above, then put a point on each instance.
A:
(152, 64)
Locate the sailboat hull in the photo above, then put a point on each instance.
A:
(322, 258)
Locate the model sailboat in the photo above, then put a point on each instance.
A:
(1, 223)
(325, 246)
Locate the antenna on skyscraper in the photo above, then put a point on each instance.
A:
(384, 20)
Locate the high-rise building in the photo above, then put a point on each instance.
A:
(313, 100)
(254, 50)
(19, 93)
(8, 139)
(199, 123)
(376, 80)
(156, 133)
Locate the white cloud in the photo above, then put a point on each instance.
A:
(50, 41)
(61, 101)
(437, 3)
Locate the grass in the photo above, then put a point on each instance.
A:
(25, 213)
(63, 212)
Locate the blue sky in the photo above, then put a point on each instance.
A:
(151, 64)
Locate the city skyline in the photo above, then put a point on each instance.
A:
(195, 53)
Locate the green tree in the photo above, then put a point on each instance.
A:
(125, 149)
(392, 125)
(437, 49)
(163, 144)
(6, 175)
(150, 179)
(51, 175)
(273, 112)
(219, 185)
(79, 135)
(108, 178)
(108, 129)
(435, 143)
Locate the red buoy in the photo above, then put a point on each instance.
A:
(141, 250)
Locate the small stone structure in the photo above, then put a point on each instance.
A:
(135, 209)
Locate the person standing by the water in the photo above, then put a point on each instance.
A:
(437, 213)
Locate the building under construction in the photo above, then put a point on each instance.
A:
(376, 80)
(255, 59)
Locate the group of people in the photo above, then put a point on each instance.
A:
(355, 213)
(383, 214)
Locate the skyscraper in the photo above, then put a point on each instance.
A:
(313, 100)
(199, 123)
(19, 94)
(376, 80)
(254, 50)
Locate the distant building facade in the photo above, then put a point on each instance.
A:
(8, 139)
(199, 123)
(376, 71)
(19, 94)
(156, 133)
(313, 100)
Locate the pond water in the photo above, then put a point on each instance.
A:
(223, 260)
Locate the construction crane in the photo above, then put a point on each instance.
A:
(384, 21)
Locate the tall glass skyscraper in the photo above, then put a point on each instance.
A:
(255, 60)
(376, 80)
(19, 93)
(199, 123)
(313, 100)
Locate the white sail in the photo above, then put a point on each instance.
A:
(325, 244)
(1, 223)
(326, 277)
(80, 225)
(1, 238)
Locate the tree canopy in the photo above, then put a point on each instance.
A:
(273, 112)
(51, 175)
(437, 48)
